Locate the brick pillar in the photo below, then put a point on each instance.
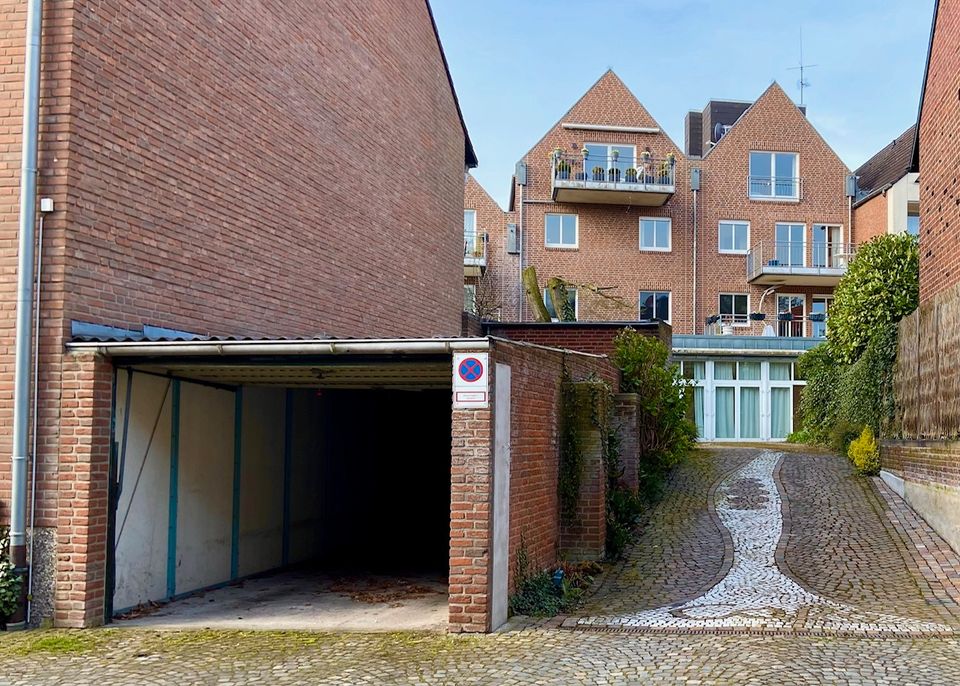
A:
(625, 418)
(85, 408)
(584, 536)
(470, 520)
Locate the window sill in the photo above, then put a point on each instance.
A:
(562, 247)
(642, 249)
(784, 200)
(734, 252)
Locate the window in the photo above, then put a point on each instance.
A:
(560, 230)
(655, 305)
(790, 315)
(470, 298)
(734, 237)
(828, 248)
(819, 312)
(734, 308)
(774, 175)
(913, 219)
(472, 242)
(609, 162)
(790, 240)
(655, 234)
(571, 303)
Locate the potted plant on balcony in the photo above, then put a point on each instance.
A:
(562, 169)
(598, 174)
(630, 176)
(614, 155)
(817, 317)
(613, 175)
(671, 158)
(785, 316)
(757, 316)
(646, 165)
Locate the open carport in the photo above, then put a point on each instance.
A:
(281, 484)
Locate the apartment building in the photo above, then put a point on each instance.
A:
(888, 190)
(736, 240)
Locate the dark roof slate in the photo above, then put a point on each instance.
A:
(889, 165)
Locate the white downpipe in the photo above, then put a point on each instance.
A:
(35, 420)
(25, 264)
(696, 293)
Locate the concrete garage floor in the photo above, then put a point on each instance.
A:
(302, 600)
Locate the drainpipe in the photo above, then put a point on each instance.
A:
(521, 231)
(695, 293)
(25, 259)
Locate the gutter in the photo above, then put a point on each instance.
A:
(279, 347)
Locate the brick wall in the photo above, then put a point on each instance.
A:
(471, 489)
(939, 132)
(931, 462)
(497, 286)
(589, 337)
(870, 219)
(536, 374)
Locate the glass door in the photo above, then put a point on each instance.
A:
(827, 246)
(790, 315)
(790, 245)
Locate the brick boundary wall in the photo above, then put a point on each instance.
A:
(931, 462)
(589, 337)
(626, 419)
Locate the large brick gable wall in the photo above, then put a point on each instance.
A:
(939, 142)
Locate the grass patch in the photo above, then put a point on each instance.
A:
(55, 642)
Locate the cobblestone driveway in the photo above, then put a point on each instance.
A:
(824, 539)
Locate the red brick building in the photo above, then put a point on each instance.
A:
(744, 231)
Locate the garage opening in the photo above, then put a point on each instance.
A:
(282, 496)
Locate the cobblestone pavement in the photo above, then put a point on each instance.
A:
(812, 540)
(543, 657)
(841, 545)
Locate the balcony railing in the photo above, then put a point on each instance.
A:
(776, 188)
(475, 249)
(615, 179)
(781, 325)
(799, 262)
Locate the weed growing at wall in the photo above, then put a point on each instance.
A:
(549, 592)
(10, 582)
(623, 505)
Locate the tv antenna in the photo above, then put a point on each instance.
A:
(802, 82)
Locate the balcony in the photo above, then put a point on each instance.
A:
(474, 253)
(613, 180)
(782, 325)
(775, 188)
(798, 263)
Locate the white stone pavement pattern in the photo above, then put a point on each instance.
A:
(755, 594)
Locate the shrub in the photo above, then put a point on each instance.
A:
(864, 452)
(800, 436)
(666, 434)
(881, 286)
(842, 434)
(819, 405)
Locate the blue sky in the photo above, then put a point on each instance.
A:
(518, 65)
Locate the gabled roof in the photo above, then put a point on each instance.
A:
(469, 155)
(608, 88)
(773, 90)
(889, 165)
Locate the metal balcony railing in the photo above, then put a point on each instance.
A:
(475, 248)
(624, 171)
(776, 188)
(783, 325)
(799, 257)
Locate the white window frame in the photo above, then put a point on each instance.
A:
(472, 288)
(745, 323)
(806, 234)
(613, 145)
(803, 320)
(724, 251)
(669, 247)
(474, 212)
(773, 172)
(576, 231)
(576, 304)
(828, 300)
(669, 318)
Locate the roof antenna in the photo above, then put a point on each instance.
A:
(802, 82)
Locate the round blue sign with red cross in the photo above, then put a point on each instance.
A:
(470, 369)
